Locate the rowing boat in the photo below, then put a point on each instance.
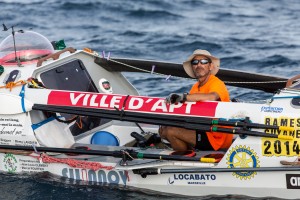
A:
(73, 114)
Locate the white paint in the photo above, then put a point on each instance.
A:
(12, 104)
(135, 103)
(159, 105)
(93, 101)
(102, 102)
(115, 101)
(74, 100)
(173, 106)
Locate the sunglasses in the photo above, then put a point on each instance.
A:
(202, 61)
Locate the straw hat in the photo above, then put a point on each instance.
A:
(188, 66)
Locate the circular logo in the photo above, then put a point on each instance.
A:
(105, 86)
(10, 163)
(242, 157)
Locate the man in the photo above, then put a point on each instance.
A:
(202, 66)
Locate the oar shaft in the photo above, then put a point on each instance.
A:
(242, 132)
(127, 116)
(113, 153)
(192, 123)
(155, 171)
(62, 150)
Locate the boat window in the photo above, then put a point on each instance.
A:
(69, 76)
(72, 76)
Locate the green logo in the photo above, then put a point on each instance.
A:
(10, 163)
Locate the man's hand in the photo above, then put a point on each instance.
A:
(175, 98)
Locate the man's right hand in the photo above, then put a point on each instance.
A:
(174, 98)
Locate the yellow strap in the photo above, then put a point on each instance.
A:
(208, 160)
(34, 84)
(286, 128)
(285, 137)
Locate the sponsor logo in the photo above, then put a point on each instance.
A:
(100, 176)
(10, 163)
(130, 103)
(105, 86)
(286, 122)
(242, 157)
(271, 109)
(196, 179)
(292, 181)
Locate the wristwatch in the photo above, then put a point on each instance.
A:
(184, 96)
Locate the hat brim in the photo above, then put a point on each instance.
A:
(188, 66)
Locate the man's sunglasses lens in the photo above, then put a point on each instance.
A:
(202, 61)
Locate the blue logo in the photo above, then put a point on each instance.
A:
(243, 157)
(271, 109)
(100, 176)
(192, 179)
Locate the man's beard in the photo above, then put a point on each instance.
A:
(201, 76)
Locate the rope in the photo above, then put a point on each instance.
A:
(11, 85)
(226, 82)
(287, 97)
(259, 82)
(143, 70)
(73, 163)
(268, 101)
(80, 123)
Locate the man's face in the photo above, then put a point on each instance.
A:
(201, 70)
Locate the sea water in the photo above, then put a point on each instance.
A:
(261, 36)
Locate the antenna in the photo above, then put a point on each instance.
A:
(13, 34)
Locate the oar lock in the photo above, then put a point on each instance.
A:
(126, 156)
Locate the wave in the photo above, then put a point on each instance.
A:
(24, 2)
(153, 14)
(79, 5)
(190, 46)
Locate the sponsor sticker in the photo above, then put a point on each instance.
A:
(242, 157)
(100, 176)
(192, 179)
(10, 163)
(130, 103)
(277, 147)
(292, 181)
(271, 109)
(105, 86)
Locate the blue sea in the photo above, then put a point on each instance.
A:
(261, 36)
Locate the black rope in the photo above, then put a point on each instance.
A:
(68, 121)
(122, 111)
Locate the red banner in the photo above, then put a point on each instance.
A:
(130, 103)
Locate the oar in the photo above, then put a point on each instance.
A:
(231, 77)
(186, 119)
(155, 171)
(127, 154)
(151, 119)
